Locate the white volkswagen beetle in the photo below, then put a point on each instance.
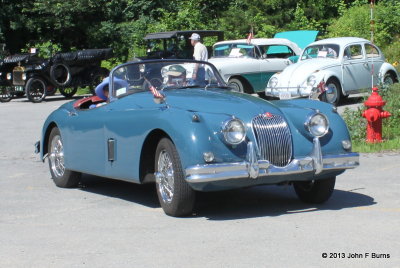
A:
(331, 69)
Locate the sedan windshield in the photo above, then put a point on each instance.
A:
(158, 75)
(235, 50)
(321, 51)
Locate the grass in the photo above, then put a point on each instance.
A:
(83, 91)
(390, 126)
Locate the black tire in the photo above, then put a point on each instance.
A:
(98, 78)
(174, 193)
(35, 89)
(62, 177)
(317, 191)
(5, 93)
(236, 85)
(60, 74)
(333, 94)
(68, 92)
(388, 80)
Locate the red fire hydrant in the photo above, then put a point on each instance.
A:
(374, 115)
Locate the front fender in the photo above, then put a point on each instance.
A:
(387, 67)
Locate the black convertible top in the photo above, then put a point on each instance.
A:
(202, 33)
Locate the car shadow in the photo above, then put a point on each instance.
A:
(56, 97)
(144, 194)
(351, 100)
(270, 201)
(259, 201)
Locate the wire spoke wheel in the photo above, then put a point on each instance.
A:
(61, 176)
(174, 193)
(36, 89)
(165, 179)
(56, 156)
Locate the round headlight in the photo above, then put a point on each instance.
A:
(317, 125)
(311, 81)
(273, 82)
(234, 131)
(8, 76)
(24, 76)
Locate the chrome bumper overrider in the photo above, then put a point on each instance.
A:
(253, 168)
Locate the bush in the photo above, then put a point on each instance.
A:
(356, 21)
(390, 126)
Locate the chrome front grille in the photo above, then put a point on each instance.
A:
(274, 139)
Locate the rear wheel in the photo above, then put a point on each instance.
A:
(68, 92)
(236, 85)
(388, 80)
(316, 191)
(175, 195)
(5, 93)
(333, 92)
(35, 89)
(62, 177)
(98, 78)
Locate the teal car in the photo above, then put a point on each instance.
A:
(247, 64)
(160, 126)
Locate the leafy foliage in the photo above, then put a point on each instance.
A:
(122, 24)
(356, 21)
(390, 126)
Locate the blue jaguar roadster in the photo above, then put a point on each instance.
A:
(175, 123)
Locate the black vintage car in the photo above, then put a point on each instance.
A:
(176, 44)
(37, 77)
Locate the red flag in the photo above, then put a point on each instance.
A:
(155, 92)
(322, 86)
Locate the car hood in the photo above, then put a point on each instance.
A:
(301, 38)
(302, 69)
(218, 101)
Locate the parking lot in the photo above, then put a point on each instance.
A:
(106, 223)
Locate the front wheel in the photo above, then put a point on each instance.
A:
(316, 191)
(236, 85)
(36, 89)
(175, 195)
(5, 93)
(332, 93)
(62, 177)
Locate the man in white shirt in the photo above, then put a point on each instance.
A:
(200, 53)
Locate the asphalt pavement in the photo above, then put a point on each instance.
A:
(106, 223)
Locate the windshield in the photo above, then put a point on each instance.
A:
(162, 75)
(321, 51)
(236, 50)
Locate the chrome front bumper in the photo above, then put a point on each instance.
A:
(253, 168)
(294, 92)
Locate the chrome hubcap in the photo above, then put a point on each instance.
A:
(56, 156)
(234, 86)
(331, 93)
(165, 177)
